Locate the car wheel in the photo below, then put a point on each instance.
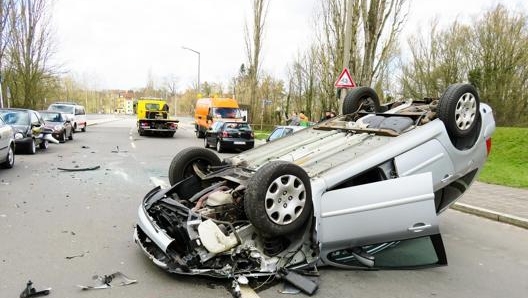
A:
(278, 199)
(32, 149)
(84, 128)
(74, 127)
(199, 134)
(71, 135)
(10, 158)
(206, 145)
(364, 98)
(458, 108)
(219, 148)
(63, 137)
(182, 165)
(44, 144)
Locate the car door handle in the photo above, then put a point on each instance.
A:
(419, 227)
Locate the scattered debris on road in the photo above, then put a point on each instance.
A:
(30, 291)
(79, 169)
(119, 151)
(74, 256)
(108, 281)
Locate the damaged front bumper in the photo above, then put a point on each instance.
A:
(182, 241)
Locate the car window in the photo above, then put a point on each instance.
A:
(226, 112)
(217, 126)
(410, 253)
(78, 111)
(15, 117)
(34, 118)
(52, 117)
(62, 108)
(277, 133)
(287, 131)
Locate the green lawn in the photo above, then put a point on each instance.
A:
(508, 161)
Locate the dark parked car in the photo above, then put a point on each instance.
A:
(60, 123)
(7, 145)
(230, 135)
(27, 125)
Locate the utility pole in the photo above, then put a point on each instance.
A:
(346, 49)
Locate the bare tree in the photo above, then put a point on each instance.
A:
(6, 7)
(29, 73)
(254, 48)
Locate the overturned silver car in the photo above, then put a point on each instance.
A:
(361, 190)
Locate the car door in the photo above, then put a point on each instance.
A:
(387, 224)
(5, 137)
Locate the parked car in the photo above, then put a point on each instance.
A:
(60, 123)
(27, 125)
(361, 191)
(229, 135)
(75, 111)
(283, 130)
(7, 145)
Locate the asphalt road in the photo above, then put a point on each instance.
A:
(60, 228)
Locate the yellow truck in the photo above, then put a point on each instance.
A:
(153, 118)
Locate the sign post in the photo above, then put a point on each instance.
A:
(344, 81)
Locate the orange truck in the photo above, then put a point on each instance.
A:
(209, 110)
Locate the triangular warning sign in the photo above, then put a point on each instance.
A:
(345, 80)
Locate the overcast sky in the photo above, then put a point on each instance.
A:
(116, 43)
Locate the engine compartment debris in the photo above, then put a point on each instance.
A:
(109, 281)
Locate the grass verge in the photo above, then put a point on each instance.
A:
(508, 162)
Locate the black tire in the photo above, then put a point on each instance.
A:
(44, 144)
(10, 158)
(141, 132)
(199, 133)
(84, 128)
(182, 164)
(32, 147)
(219, 147)
(364, 98)
(272, 192)
(458, 108)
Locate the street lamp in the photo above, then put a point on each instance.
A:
(186, 48)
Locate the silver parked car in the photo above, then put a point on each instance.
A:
(7, 145)
(362, 190)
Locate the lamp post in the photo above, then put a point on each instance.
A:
(186, 48)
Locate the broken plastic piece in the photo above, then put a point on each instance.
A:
(108, 281)
(29, 291)
(302, 282)
(219, 198)
(213, 239)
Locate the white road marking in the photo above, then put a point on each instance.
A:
(133, 145)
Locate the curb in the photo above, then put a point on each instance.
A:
(493, 215)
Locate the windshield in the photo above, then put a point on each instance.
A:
(15, 118)
(62, 108)
(226, 113)
(51, 117)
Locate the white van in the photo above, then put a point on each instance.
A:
(76, 113)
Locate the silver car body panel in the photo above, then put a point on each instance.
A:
(362, 215)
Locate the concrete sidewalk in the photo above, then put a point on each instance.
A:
(496, 202)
